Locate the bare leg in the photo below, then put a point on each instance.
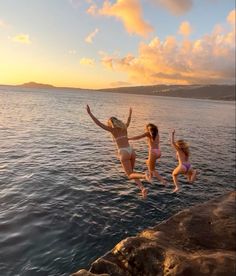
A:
(159, 177)
(144, 190)
(191, 175)
(133, 157)
(149, 175)
(194, 176)
(127, 165)
(175, 174)
(151, 162)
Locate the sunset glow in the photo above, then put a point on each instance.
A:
(99, 44)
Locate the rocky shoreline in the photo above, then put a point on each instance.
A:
(197, 241)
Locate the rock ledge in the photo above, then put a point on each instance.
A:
(197, 241)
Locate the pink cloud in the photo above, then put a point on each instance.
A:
(129, 12)
(209, 59)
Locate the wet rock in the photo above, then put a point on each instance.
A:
(200, 240)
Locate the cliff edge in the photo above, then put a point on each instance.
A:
(197, 241)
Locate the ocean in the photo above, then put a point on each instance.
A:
(64, 199)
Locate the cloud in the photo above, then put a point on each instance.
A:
(87, 61)
(185, 28)
(92, 10)
(129, 12)
(209, 59)
(22, 38)
(176, 7)
(231, 18)
(90, 37)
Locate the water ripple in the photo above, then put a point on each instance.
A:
(64, 198)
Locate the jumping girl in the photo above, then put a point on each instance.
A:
(126, 153)
(153, 141)
(184, 166)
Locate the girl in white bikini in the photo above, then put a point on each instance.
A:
(184, 166)
(127, 156)
(153, 140)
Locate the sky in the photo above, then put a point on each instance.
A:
(111, 43)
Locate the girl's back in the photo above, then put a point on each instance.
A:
(153, 136)
(153, 144)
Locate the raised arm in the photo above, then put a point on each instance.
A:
(172, 140)
(129, 117)
(138, 136)
(96, 121)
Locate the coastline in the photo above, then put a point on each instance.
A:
(203, 92)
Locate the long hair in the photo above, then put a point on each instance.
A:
(153, 130)
(116, 123)
(182, 145)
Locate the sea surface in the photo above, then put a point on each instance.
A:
(64, 199)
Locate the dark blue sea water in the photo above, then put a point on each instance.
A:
(64, 199)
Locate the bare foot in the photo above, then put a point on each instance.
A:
(144, 192)
(148, 177)
(194, 176)
(176, 189)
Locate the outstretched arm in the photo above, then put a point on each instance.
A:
(138, 136)
(172, 140)
(129, 117)
(96, 121)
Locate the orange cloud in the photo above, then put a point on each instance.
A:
(87, 61)
(231, 18)
(185, 28)
(22, 38)
(129, 12)
(92, 9)
(210, 59)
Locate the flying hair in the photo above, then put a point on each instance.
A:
(153, 130)
(116, 123)
(182, 145)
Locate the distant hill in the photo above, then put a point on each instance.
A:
(213, 92)
(36, 85)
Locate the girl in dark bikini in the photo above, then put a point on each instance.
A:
(184, 166)
(153, 140)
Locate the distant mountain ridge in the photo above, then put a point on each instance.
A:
(36, 85)
(211, 92)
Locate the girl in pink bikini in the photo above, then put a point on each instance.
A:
(126, 153)
(153, 140)
(184, 166)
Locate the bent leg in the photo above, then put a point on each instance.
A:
(159, 177)
(133, 158)
(191, 175)
(127, 166)
(175, 174)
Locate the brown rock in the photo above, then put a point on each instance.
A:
(198, 241)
